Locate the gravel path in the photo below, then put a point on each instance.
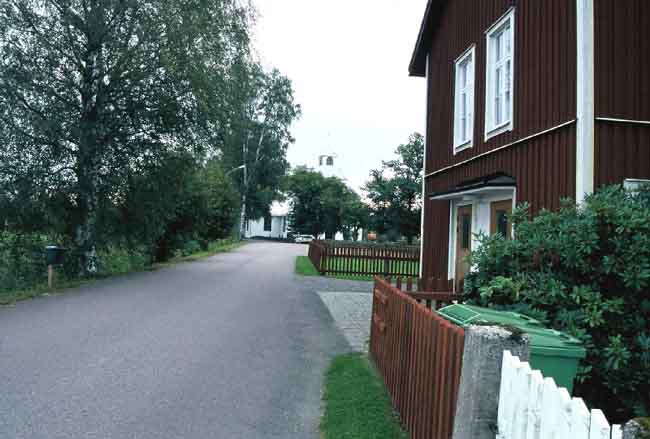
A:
(351, 313)
(234, 346)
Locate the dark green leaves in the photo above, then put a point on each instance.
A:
(588, 269)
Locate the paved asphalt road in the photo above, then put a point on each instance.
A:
(231, 347)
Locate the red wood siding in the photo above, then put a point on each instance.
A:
(544, 168)
(544, 75)
(622, 50)
(622, 151)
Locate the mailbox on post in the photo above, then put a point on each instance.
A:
(55, 255)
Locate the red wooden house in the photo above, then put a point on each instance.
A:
(528, 100)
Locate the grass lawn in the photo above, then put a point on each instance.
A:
(304, 267)
(357, 405)
(366, 265)
(60, 285)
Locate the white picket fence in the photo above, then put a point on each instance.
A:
(533, 407)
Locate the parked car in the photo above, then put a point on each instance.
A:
(303, 239)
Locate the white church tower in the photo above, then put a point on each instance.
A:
(327, 167)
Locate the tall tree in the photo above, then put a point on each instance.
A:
(395, 191)
(260, 136)
(91, 91)
(323, 205)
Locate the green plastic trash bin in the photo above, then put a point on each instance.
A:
(553, 352)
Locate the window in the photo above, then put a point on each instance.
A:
(330, 161)
(267, 223)
(499, 80)
(500, 218)
(464, 101)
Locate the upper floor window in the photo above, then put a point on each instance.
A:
(464, 101)
(499, 79)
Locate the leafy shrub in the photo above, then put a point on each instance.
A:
(584, 270)
(22, 260)
(117, 260)
(189, 248)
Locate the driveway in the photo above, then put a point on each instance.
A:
(230, 347)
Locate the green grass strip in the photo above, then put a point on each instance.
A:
(357, 405)
(304, 267)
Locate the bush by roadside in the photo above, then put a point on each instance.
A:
(23, 266)
(22, 260)
(584, 270)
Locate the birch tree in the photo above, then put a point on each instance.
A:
(92, 90)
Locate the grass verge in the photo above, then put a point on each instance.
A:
(304, 267)
(213, 249)
(60, 285)
(357, 405)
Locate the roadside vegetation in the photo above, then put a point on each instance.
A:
(357, 405)
(132, 133)
(584, 270)
(114, 263)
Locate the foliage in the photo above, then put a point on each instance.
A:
(199, 203)
(96, 94)
(323, 205)
(585, 270)
(22, 260)
(116, 260)
(356, 402)
(395, 191)
(259, 135)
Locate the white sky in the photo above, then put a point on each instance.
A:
(348, 60)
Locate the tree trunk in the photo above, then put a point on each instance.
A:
(89, 163)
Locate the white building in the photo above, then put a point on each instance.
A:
(274, 225)
(327, 167)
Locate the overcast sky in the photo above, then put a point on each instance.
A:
(348, 60)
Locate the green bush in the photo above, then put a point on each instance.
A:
(22, 260)
(584, 270)
(117, 260)
(189, 248)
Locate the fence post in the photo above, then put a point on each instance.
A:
(480, 379)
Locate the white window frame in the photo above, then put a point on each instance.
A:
(492, 128)
(460, 143)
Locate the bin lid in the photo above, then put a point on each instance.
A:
(56, 248)
(543, 341)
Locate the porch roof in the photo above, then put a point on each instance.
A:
(484, 186)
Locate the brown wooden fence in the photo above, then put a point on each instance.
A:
(419, 355)
(331, 257)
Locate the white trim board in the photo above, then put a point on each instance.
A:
(629, 121)
(424, 167)
(586, 120)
